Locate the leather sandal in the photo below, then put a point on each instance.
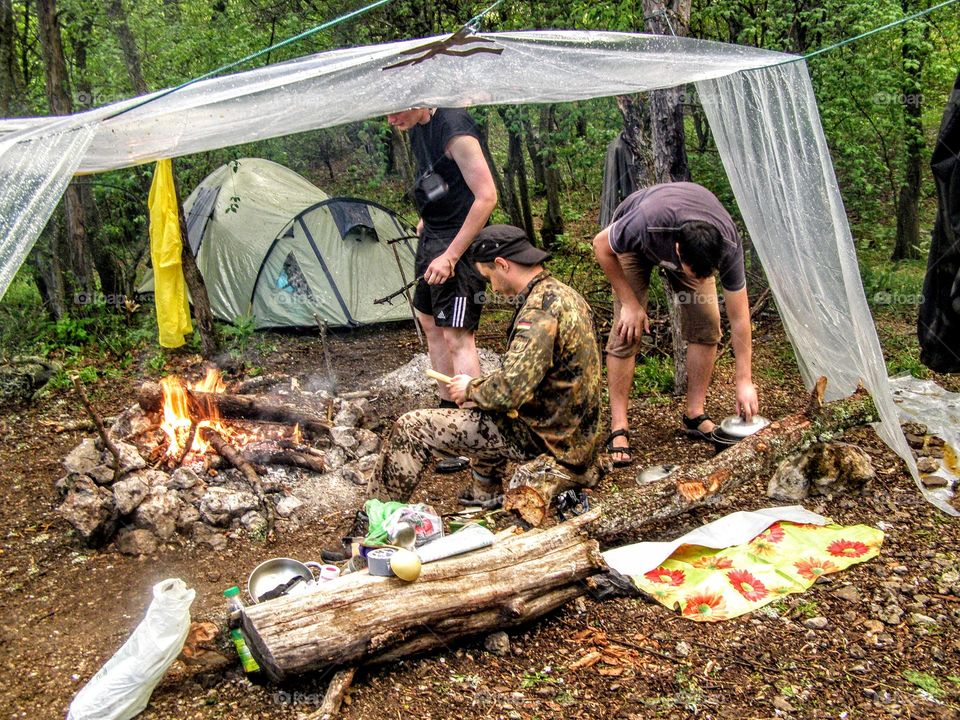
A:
(452, 465)
(692, 427)
(611, 449)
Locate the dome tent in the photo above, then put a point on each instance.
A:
(272, 245)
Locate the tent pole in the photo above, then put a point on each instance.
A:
(406, 292)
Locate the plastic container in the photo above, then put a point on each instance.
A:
(122, 687)
(249, 663)
(234, 605)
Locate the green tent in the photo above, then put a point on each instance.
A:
(272, 245)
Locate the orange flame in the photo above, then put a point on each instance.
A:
(177, 418)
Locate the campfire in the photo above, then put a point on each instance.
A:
(208, 462)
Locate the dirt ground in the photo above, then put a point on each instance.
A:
(65, 608)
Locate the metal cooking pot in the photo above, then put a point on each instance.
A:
(276, 577)
(654, 472)
(733, 429)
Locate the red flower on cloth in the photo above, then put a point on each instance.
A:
(847, 548)
(812, 568)
(705, 606)
(773, 534)
(666, 576)
(713, 562)
(745, 583)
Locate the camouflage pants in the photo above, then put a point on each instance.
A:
(489, 440)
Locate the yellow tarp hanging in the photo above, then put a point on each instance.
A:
(170, 288)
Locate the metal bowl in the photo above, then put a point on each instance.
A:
(654, 472)
(736, 427)
(274, 574)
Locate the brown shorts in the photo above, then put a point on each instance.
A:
(699, 312)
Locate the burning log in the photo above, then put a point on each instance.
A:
(280, 456)
(231, 455)
(360, 618)
(755, 457)
(248, 407)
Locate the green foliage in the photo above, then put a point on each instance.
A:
(653, 376)
(924, 681)
(239, 332)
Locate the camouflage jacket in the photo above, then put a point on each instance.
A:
(550, 373)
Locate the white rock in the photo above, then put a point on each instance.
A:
(219, 504)
(253, 522)
(350, 414)
(288, 505)
(183, 479)
(136, 541)
(344, 437)
(159, 512)
(83, 458)
(130, 457)
(334, 458)
(90, 509)
(189, 516)
(367, 441)
(129, 492)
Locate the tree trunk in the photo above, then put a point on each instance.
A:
(669, 152)
(502, 195)
(509, 200)
(908, 203)
(77, 272)
(202, 315)
(10, 92)
(553, 216)
(403, 158)
(360, 618)
(536, 149)
(637, 507)
(636, 134)
(128, 45)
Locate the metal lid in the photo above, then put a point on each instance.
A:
(735, 426)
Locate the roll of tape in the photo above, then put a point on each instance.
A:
(379, 561)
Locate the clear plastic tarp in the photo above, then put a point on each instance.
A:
(759, 103)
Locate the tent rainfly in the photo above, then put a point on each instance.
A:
(759, 104)
(272, 245)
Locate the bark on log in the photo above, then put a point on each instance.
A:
(637, 507)
(247, 407)
(261, 456)
(359, 618)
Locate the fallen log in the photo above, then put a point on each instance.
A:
(277, 456)
(637, 507)
(361, 619)
(247, 407)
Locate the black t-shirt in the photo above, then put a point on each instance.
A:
(445, 215)
(644, 223)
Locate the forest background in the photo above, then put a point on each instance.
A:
(880, 99)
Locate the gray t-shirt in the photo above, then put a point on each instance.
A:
(643, 224)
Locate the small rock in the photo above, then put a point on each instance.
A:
(928, 464)
(829, 469)
(351, 474)
(872, 626)
(334, 458)
(935, 441)
(136, 541)
(870, 694)
(816, 623)
(848, 593)
(856, 652)
(350, 414)
(901, 569)
(885, 640)
(91, 510)
(129, 492)
(344, 437)
(497, 643)
(253, 522)
(288, 505)
(83, 458)
(781, 704)
(130, 457)
(183, 479)
(934, 481)
(189, 516)
(914, 441)
(219, 504)
(579, 606)
(921, 619)
(208, 536)
(367, 441)
(892, 615)
(682, 649)
(159, 512)
(101, 474)
(914, 428)
(859, 669)
(934, 452)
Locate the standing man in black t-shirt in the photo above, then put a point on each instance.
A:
(455, 196)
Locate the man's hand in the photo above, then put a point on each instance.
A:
(633, 322)
(748, 404)
(440, 270)
(457, 387)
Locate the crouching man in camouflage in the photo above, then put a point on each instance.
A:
(543, 405)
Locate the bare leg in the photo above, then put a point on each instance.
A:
(462, 350)
(700, 359)
(440, 357)
(620, 381)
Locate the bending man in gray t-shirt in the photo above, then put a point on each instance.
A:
(683, 228)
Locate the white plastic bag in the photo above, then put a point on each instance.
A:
(122, 687)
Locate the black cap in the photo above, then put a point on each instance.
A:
(508, 242)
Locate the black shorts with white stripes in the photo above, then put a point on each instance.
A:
(455, 303)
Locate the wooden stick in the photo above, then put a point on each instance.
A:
(293, 458)
(231, 455)
(99, 424)
(440, 377)
(339, 684)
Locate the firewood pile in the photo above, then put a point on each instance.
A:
(206, 463)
